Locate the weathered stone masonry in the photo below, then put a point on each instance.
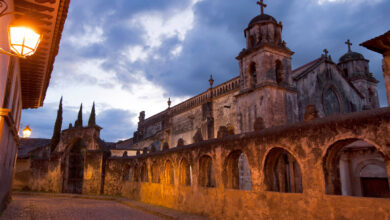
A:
(312, 144)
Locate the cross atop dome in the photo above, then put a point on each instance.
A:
(262, 6)
(349, 45)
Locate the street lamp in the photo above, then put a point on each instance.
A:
(23, 40)
(27, 132)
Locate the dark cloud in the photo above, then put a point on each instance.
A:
(116, 124)
(209, 48)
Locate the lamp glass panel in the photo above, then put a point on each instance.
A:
(23, 40)
(16, 49)
(31, 39)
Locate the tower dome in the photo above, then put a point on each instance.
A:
(350, 55)
(262, 18)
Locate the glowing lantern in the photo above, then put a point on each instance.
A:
(26, 132)
(23, 41)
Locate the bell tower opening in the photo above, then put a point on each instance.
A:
(253, 74)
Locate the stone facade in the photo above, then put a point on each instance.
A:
(271, 143)
(309, 186)
(266, 88)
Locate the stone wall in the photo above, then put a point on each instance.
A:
(309, 143)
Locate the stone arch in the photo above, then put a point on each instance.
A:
(343, 166)
(252, 70)
(331, 100)
(282, 172)
(135, 174)
(252, 41)
(206, 172)
(169, 174)
(144, 176)
(155, 170)
(75, 159)
(185, 173)
(236, 174)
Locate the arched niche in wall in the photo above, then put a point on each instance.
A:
(206, 172)
(282, 172)
(331, 101)
(354, 167)
(169, 175)
(185, 173)
(144, 173)
(155, 169)
(236, 174)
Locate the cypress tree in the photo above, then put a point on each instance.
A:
(57, 128)
(79, 122)
(92, 117)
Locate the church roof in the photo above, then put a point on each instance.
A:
(28, 145)
(263, 18)
(351, 56)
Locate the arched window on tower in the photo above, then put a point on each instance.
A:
(253, 74)
(279, 72)
(346, 73)
(251, 41)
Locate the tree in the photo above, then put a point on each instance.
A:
(92, 117)
(55, 139)
(79, 122)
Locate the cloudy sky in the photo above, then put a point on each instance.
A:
(130, 56)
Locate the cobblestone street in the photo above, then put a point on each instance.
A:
(43, 207)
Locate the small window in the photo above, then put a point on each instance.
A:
(279, 72)
(253, 74)
(346, 72)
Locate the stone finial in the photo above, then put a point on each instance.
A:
(180, 142)
(230, 129)
(169, 102)
(222, 132)
(70, 125)
(138, 152)
(310, 113)
(124, 154)
(141, 116)
(259, 124)
(198, 136)
(211, 81)
(325, 53)
(165, 146)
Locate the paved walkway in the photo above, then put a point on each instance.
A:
(34, 206)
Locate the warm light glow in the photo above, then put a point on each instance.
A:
(23, 40)
(26, 132)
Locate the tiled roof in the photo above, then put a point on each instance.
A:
(30, 144)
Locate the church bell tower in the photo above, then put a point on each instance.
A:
(266, 86)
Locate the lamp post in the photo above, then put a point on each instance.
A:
(22, 38)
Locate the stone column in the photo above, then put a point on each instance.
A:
(386, 74)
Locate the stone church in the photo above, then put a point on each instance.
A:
(308, 143)
(267, 91)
